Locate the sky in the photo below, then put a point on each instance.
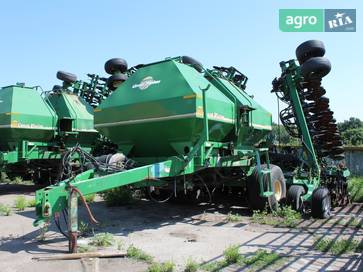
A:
(38, 38)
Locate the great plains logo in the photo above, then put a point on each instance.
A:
(146, 83)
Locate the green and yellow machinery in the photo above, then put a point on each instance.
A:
(187, 132)
(37, 127)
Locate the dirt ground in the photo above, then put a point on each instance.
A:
(172, 232)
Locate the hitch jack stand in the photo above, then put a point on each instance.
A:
(72, 220)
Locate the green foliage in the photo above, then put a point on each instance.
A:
(103, 239)
(191, 266)
(5, 210)
(138, 254)
(262, 258)
(279, 135)
(84, 228)
(338, 246)
(86, 248)
(282, 217)
(118, 196)
(162, 267)
(233, 217)
(17, 180)
(352, 131)
(3, 177)
(31, 203)
(90, 198)
(231, 254)
(351, 223)
(355, 188)
(20, 203)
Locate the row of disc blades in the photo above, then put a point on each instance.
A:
(321, 123)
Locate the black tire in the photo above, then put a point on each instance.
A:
(57, 88)
(115, 65)
(196, 64)
(315, 67)
(321, 203)
(115, 80)
(309, 49)
(293, 197)
(255, 201)
(66, 77)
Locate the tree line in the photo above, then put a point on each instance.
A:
(350, 130)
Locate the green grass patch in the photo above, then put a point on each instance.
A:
(138, 254)
(31, 203)
(191, 266)
(20, 203)
(162, 267)
(355, 188)
(5, 210)
(338, 246)
(233, 217)
(351, 223)
(118, 197)
(282, 217)
(259, 260)
(103, 239)
(86, 248)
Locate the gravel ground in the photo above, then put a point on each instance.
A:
(175, 232)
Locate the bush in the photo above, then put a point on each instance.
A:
(117, 197)
(31, 203)
(102, 239)
(138, 254)
(231, 254)
(5, 210)
(20, 203)
(191, 266)
(162, 267)
(355, 188)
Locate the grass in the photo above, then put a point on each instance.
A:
(191, 266)
(86, 248)
(84, 228)
(259, 260)
(283, 217)
(355, 188)
(5, 210)
(233, 217)
(90, 198)
(103, 239)
(351, 223)
(338, 246)
(162, 267)
(118, 197)
(20, 203)
(31, 203)
(138, 254)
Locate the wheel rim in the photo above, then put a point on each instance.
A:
(277, 190)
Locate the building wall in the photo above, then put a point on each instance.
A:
(354, 160)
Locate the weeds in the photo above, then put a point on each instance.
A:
(31, 203)
(118, 196)
(355, 188)
(5, 210)
(20, 203)
(84, 228)
(191, 266)
(260, 259)
(351, 223)
(162, 267)
(233, 217)
(90, 198)
(86, 248)
(138, 254)
(103, 239)
(283, 217)
(338, 246)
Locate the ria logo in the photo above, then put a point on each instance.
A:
(146, 83)
(342, 20)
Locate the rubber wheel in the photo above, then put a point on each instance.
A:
(309, 49)
(255, 201)
(321, 203)
(115, 80)
(66, 77)
(196, 64)
(316, 67)
(115, 65)
(293, 197)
